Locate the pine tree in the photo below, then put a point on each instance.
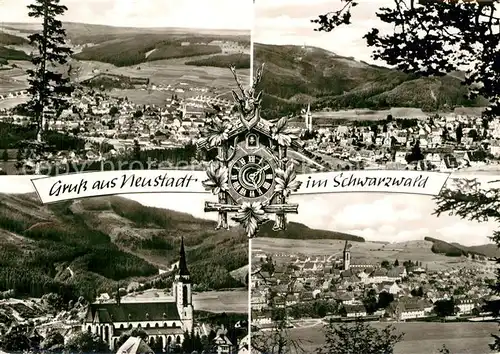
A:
(49, 89)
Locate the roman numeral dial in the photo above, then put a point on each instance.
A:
(251, 176)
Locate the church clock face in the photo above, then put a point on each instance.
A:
(252, 176)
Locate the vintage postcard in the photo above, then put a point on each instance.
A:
(91, 262)
(374, 89)
(249, 177)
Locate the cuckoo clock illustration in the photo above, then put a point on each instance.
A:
(251, 174)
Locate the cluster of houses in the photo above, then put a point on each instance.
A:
(443, 143)
(122, 124)
(447, 143)
(413, 289)
(13, 94)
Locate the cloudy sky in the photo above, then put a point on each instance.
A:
(206, 14)
(288, 22)
(374, 216)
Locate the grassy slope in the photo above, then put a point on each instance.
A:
(299, 231)
(240, 61)
(456, 249)
(294, 75)
(9, 39)
(130, 49)
(110, 240)
(13, 54)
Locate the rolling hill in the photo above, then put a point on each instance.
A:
(295, 76)
(79, 247)
(138, 48)
(9, 39)
(13, 54)
(455, 249)
(85, 246)
(131, 46)
(123, 46)
(300, 231)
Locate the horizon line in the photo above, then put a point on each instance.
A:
(381, 65)
(365, 240)
(134, 27)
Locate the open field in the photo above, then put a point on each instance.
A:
(361, 252)
(396, 112)
(162, 72)
(14, 79)
(140, 97)
(12, 102)
(420, 337)
(222, 301)
(365, 114)
(212, 301)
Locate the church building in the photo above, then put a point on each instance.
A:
(164, 322)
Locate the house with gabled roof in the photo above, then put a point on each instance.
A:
(354, 310)
(222, 343)
(407, 308)
(396, 273)
(378, 276)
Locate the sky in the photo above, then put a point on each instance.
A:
(206, 14)
(374, 216)
(289, 22)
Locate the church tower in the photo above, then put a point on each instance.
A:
(184, 112)
(182, 291)
(308, 118)
(347, 256)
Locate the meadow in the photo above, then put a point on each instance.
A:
(233, 301)
(420, 337)
(361, 252)
(12, 102)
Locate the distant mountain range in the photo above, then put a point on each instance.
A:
(296, 75)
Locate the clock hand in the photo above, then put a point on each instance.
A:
(260, 170)
(253, 176)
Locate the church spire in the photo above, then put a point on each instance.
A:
(183, 270)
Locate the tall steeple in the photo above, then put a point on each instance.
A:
(183, 270)
(347, 256)
(309, 118)
(182, 291)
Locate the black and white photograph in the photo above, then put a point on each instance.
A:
(381, 273)
(382, 92)
(100, 85)
(114, 274)
(237, 176)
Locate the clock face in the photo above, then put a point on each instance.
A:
(252, 177)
